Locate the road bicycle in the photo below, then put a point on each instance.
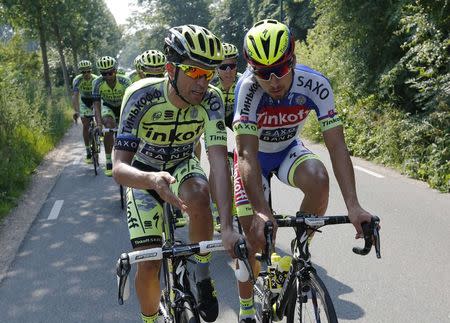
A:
(121, 188)
(177, 303)
(94, 143)
(303, 296)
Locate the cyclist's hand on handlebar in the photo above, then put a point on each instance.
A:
(358, 216)
(229, 240)
(75, 116)
(99, 128)
(160, 182)
(256, 236)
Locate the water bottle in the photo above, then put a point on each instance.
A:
(283, 268)
(273, 271)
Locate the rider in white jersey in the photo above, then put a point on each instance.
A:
(273, 99)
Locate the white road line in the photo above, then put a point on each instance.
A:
(368, 171)
(55, 210)
(77, 160)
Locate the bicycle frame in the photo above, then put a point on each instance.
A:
(301, 265)
(174, 255)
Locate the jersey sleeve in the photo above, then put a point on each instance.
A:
(325, 107)
(76, 84)
(247, 97)
(127, 138)
(215, 130)
(96, 88)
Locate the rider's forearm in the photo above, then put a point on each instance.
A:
(220, 185)
(345, 175)
(97, 112)
(75, 103)
(130, 176)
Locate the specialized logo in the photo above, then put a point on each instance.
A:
(157, 116)
(220, 125)
(281, 116)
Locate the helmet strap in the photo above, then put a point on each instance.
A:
(175, 86)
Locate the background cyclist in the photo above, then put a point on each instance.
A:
(108, 91)
(82, 100)
(161, 123)
(134, 74)
(152, 64)
(225, 81)
(273, 99)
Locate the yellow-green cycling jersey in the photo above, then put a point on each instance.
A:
(228, 98)
(111, 97)
(134, 76)
(162, 135)
(84, 88)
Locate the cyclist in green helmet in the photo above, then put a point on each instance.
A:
(273, 98)
(226, 80)
(108, 91)
(135, 75)
(82, 100)
(162, 120)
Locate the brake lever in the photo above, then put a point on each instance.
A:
(122, 270)
(371, 236)
(268, 233)
(241, 252)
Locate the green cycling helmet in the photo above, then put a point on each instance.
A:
(230, 51)
(196, 43)
(152, 58)
(268, 42)
(137, 62)
(106, 63)
(84, 65)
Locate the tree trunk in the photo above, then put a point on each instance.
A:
(43, 44)
(59, 45)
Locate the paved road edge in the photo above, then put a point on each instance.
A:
(15, 226)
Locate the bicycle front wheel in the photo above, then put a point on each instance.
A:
(187, 314)
(312, 302)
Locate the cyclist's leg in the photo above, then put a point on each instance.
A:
(192, 187)
(144, 218)
(109, 121)
(303, 169)
(244, 212)
(84, 112)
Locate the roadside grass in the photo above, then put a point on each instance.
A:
(31, 124)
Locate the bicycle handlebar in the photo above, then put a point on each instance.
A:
(125, 260)
(371, 231)
(109, 130)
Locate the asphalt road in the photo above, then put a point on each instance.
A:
(59, 248)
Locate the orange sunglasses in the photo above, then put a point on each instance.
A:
(196, 72)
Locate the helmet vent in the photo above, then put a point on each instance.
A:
(201, 41)
(189, 40)
(278, 41)
(252, 39)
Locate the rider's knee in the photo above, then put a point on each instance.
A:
(150, 268)
(196, 195)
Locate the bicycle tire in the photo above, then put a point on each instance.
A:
(187, 314)
(122, 198)
(318, 306)
(93, 147)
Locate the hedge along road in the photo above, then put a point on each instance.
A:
(59, 248)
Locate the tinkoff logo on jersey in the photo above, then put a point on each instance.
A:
(281, 116)
(165, 134)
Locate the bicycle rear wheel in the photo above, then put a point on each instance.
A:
(312, 302)
(94, 152)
